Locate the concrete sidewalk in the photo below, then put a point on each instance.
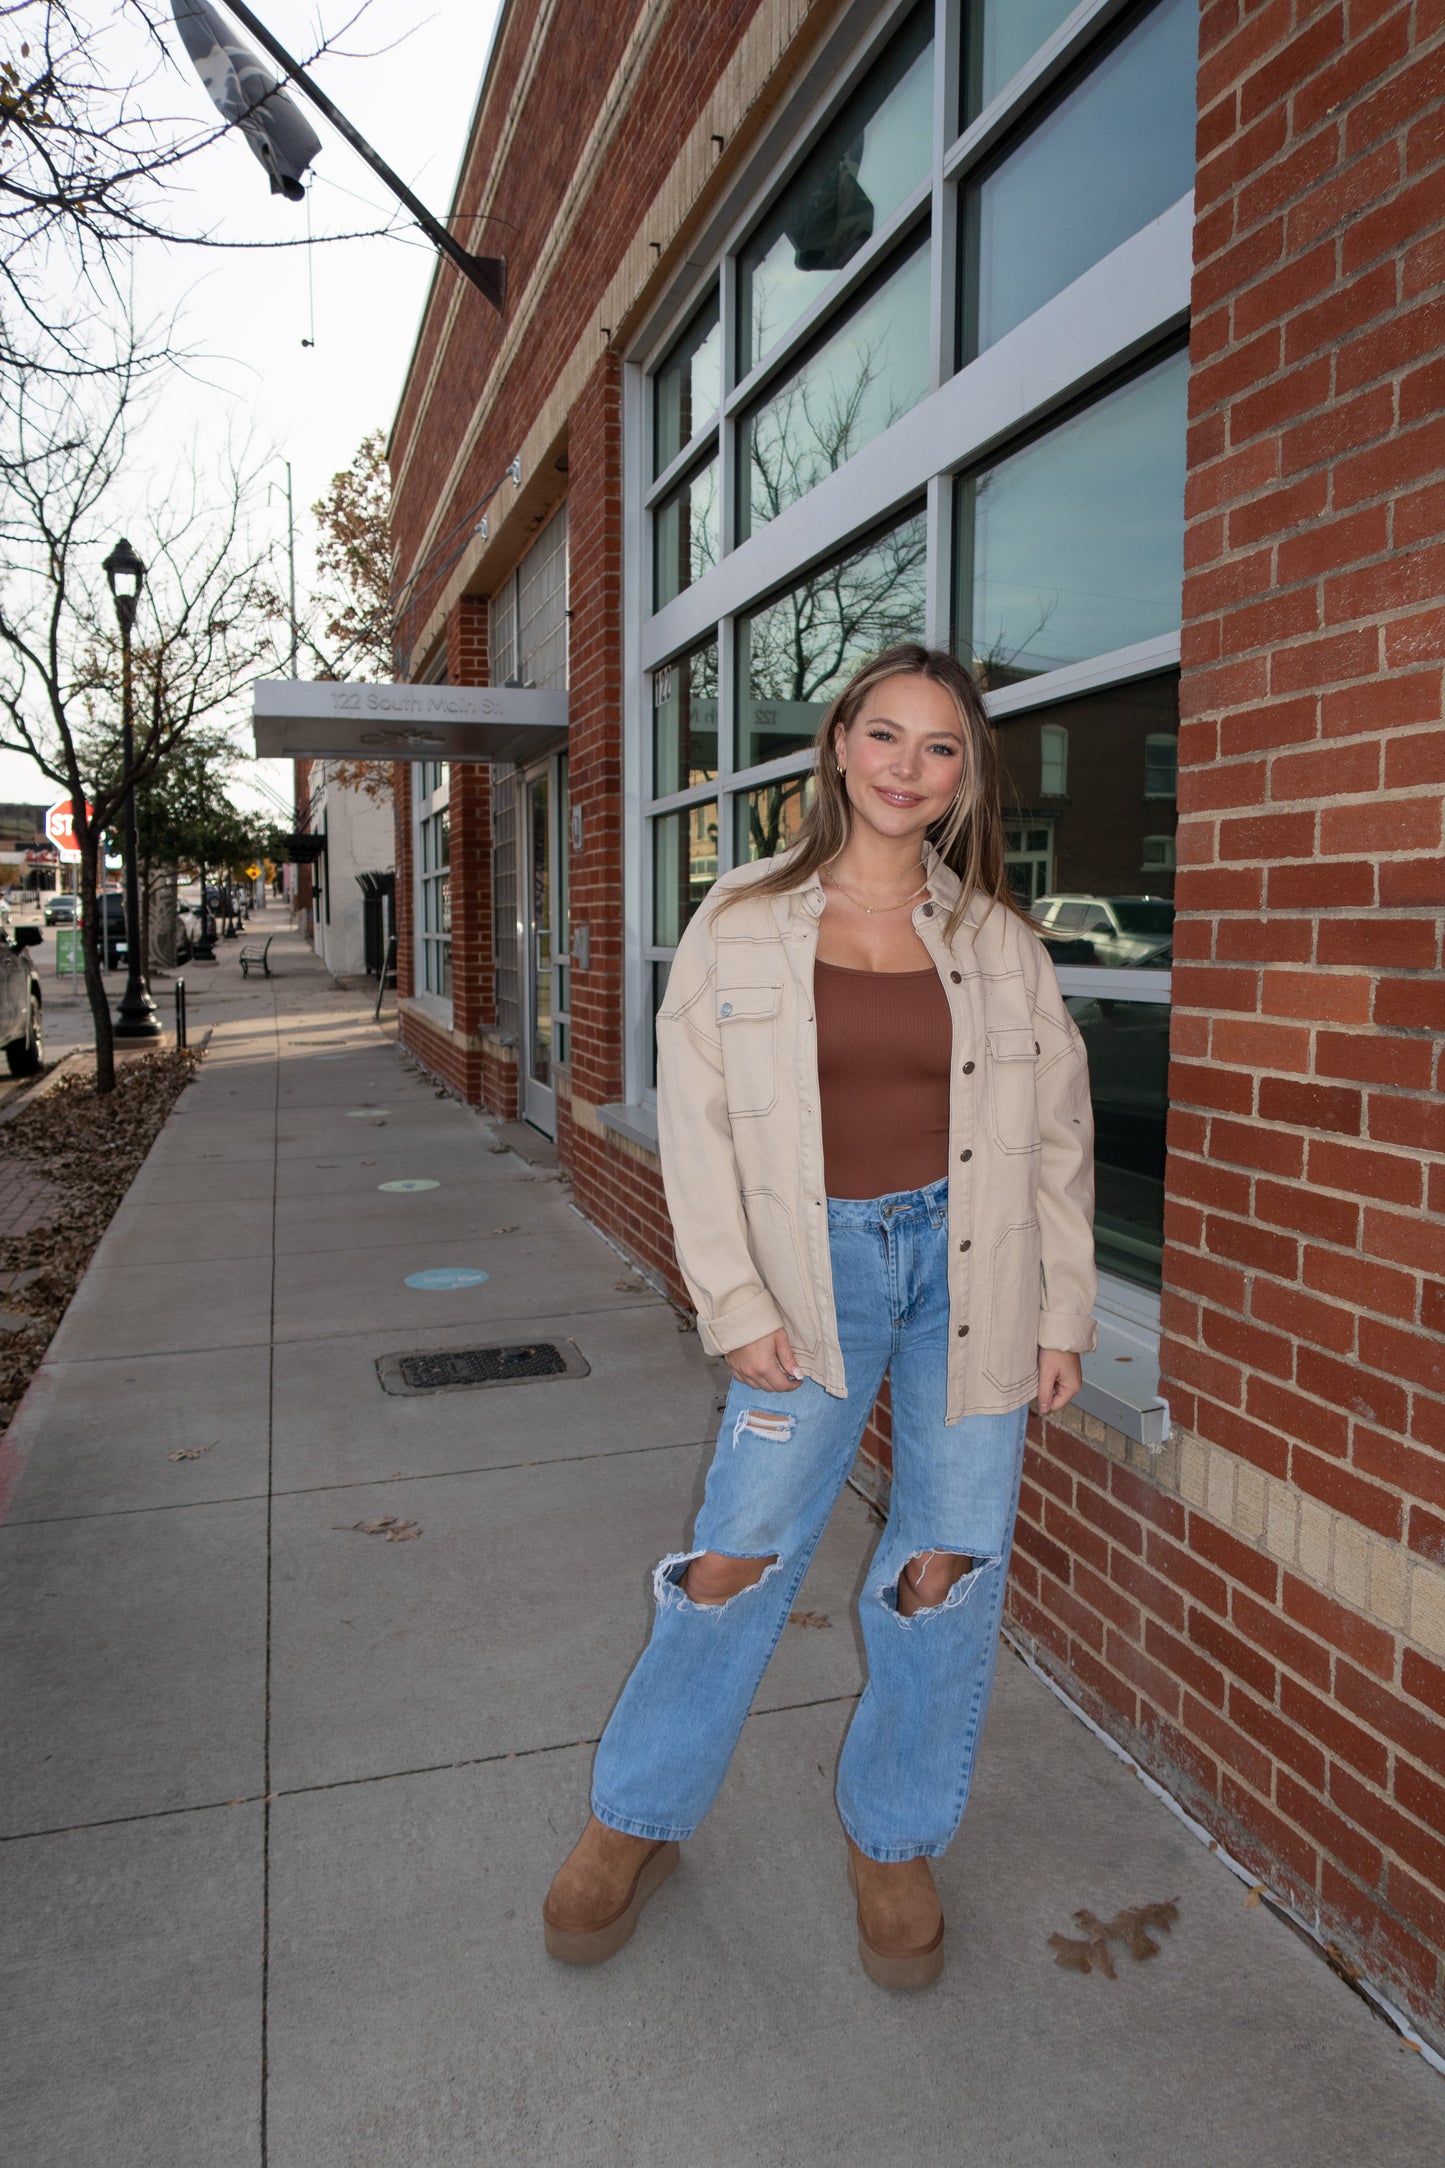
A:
(282, 1797)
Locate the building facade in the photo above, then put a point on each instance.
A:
(1103, 344)
(345, 897)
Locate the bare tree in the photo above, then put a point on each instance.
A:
(88, 154)
(206, 626)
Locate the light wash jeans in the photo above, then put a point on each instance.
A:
(780, 1462)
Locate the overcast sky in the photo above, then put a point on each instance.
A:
(245, 314)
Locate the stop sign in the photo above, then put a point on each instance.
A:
(60, 827)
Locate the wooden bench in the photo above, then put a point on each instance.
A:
(249, 956)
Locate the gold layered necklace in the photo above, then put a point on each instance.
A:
(875, 910)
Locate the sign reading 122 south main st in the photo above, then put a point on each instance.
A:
(295, 720)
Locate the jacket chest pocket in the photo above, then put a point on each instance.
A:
(1012, 1095)
(747, 1019)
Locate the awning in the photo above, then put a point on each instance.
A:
(297, 720)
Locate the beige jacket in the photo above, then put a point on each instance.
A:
(742, 1139)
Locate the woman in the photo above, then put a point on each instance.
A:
(877, 1145)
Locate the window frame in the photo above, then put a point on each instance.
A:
(1123, 313)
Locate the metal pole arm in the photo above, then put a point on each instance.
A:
(487, 273)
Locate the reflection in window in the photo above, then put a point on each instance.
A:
(1053, 760)
(768, 819)
(1075, 545)
(998, 37)
(867, 374)
(794, 654)
(874, 154)
(1128, 1048)
(1161, 765)
(1080, 867)
(1104, 160)
(684, 867)
(685, 535)
(684, 723)
(687, 389)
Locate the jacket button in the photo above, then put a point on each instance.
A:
(968, 1068)
(965, 1245)
(965, 1155)
(726, 1009)
(963, 1332)
(928, 910)
(957, 977)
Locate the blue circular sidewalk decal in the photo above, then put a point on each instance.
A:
(447, 1276)
(408, 1186)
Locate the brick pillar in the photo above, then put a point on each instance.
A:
(595, 742)
(1304, 1311)
(473, 991)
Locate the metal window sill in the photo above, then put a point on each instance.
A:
(1121, 1376)
(637, 1124)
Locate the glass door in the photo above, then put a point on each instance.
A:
(544, 973)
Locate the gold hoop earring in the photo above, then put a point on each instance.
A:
(841, 769)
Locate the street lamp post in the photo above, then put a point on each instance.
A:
(136, 1017)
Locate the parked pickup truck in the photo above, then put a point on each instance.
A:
(20, 1032)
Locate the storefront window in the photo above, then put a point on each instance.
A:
(768, 819)
(873, 156)
(684, 723)
(1104, 160)
(687, 389)
(796, 652)
(998, 37)
(685, 535)
(1128, 1048)
(433, 831)
(1074, 546)
(1090, 864)
(684, 867)
(863, 377)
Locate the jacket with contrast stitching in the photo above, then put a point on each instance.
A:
(741, 1136)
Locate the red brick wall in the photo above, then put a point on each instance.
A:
(559, 108)
(1304, 1310)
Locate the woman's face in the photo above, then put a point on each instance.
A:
(902, 757)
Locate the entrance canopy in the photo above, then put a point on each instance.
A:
(296, 720)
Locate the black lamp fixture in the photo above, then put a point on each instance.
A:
(136, 1018)
(127, 576)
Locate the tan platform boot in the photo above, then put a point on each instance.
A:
(900, 1920)
(598, 1892)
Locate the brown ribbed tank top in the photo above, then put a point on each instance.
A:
(885, 1040)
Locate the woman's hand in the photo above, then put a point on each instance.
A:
(1060, 1376)
(767, 1364)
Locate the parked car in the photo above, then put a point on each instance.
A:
(20, 1029)
(62, 911)
(1103, 929)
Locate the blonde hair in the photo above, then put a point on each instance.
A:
(969, 838)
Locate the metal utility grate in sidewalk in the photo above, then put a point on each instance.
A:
(463, 1369)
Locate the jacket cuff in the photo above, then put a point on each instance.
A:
(751, 1322)
(1067, 1332)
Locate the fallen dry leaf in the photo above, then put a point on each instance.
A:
(1255, 1893)
(190, 1452)
(91, 1148)
(1091, 1954)
(391, 1526)
(809, 1618)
